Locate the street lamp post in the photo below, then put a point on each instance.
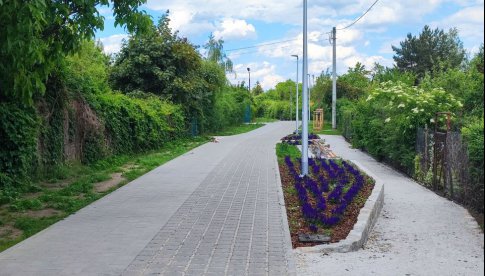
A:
(297, 88)
(304, 157)
(249, 87)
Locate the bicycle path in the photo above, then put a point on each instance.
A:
(217, 210)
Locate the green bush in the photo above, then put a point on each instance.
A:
(229, 109)
(473, 136)
(385, 123)
(18, 139)
(136, 125)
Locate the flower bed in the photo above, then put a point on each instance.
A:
(295, 139)
(327, 202)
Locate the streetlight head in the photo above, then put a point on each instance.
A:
(295, 56)
(249, 69)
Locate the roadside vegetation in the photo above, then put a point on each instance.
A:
(385, 111)
(82, 124)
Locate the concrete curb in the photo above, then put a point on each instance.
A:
(365, 222)
(289, 248)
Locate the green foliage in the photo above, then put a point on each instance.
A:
(385, 74)
(161, 63)
(229, 109)
(429, 52)
(473, 136)
(25, 204)
(215, 53)
(31, 226)
(19, 128)
(464, 85)
(37, 34)
(136, 125)
(257, 90)
(86, 71)
(385, 123)
(284, 149)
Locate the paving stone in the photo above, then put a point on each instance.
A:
(231, 216)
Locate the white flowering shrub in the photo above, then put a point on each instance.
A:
(385, 122)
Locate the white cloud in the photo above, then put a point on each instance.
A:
(112, 44)
(233, 29)
(263, 72)
(469, 22)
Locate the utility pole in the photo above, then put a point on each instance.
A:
(304, 159)
(334, 83)
(297, 92)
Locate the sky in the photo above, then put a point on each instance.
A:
(251, 23)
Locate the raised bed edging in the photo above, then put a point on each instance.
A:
(365, 222)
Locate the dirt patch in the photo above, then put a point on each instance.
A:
(49, 212)
(9, 232)
(104, 186)
(56, 185)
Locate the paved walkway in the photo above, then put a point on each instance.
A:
(418, 232)
(217, 210)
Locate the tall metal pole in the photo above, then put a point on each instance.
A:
(297, 92)
(304, 159)
(291, 104)
(334, 83)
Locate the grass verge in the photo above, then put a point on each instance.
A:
(72, 187)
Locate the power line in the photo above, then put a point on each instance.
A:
(261, 45)
(291, 40)
(358, 19)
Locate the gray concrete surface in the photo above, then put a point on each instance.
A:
(215, 210)
(418, 232)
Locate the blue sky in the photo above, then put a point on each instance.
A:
(254, 22)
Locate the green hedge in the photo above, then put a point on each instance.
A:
(135, 125)
(473, 136)
(385, 122)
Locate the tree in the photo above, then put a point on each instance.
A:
(35, 35)
(258, 90)
(429, 52)
(161, 63)
(215, 53)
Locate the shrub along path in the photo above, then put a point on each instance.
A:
(418, 232)
(215, 210)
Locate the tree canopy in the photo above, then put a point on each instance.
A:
(429, 52)
(162, 63)
(36, 34)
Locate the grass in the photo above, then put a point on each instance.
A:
(327, 129)
(71, 187)
(283, 150)
(235, 130)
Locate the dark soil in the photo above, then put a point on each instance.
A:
(299, 225)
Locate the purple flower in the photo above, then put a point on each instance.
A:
(313, 228)
(308, 211)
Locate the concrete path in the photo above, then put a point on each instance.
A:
(418, 232)
(217, 210)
